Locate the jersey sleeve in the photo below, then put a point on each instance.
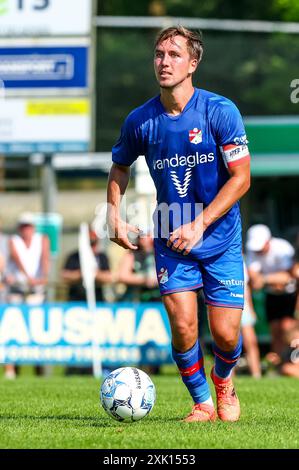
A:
(129, 145)
(230, 134)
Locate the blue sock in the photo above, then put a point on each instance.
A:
(190, 365)
(225, 361)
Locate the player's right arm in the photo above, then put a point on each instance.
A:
(118, 229)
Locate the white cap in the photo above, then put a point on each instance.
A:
(26, 218)
(257, 236)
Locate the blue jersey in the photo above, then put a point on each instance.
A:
(188, 156)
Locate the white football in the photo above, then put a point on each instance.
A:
(128, 394)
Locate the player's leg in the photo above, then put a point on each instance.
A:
(223, 279)
(225, 328)
(187, 353)
(179, 279)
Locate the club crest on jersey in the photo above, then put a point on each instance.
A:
(163, 276)
(195, 136)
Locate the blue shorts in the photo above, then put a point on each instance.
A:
(221, 276)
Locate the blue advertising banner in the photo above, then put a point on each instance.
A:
(63, 333)
(44, 67)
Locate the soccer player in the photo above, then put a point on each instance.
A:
(196, 150)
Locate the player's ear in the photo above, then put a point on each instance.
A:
(193, 65)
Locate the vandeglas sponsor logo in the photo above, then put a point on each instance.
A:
(178, 161)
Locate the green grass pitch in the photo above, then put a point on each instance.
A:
(64, 413)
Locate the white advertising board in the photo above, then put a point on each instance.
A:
(45, 17)
(44, 125)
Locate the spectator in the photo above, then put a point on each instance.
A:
(29, 262)
(9, 369)
(287, 362)
(138, 272)
(3, 263)
(28, 266)
(270, 262)
(295, 273)
(72, 275)
(248, 321)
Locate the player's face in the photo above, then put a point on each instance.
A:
(172, 62)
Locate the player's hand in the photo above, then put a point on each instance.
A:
(119, 234)
(185, 237)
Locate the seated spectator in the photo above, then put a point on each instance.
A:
(9, 369)
(72, 275)
(3, 264)
(29, 262)
(137, 272)
(270, 262)
(287, 362)
(3, 260)
(27, 272)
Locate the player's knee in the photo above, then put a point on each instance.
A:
(227, 341)
(185, 330)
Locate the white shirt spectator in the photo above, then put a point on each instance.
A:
(280, 257)
(30, 258)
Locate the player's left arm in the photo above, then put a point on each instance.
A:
(236, 186)
(230, 134)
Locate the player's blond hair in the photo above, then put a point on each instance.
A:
(194, 39)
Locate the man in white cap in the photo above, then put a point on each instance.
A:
(28, 267)
(29, 262)
(270, 262)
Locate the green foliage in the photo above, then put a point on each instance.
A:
(270, 10)
(254, 70)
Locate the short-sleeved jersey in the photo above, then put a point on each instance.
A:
(188, 156)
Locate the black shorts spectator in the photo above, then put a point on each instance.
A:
(280, 306)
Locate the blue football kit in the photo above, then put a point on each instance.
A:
(189, 156)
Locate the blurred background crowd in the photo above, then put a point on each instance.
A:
(271, 266)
